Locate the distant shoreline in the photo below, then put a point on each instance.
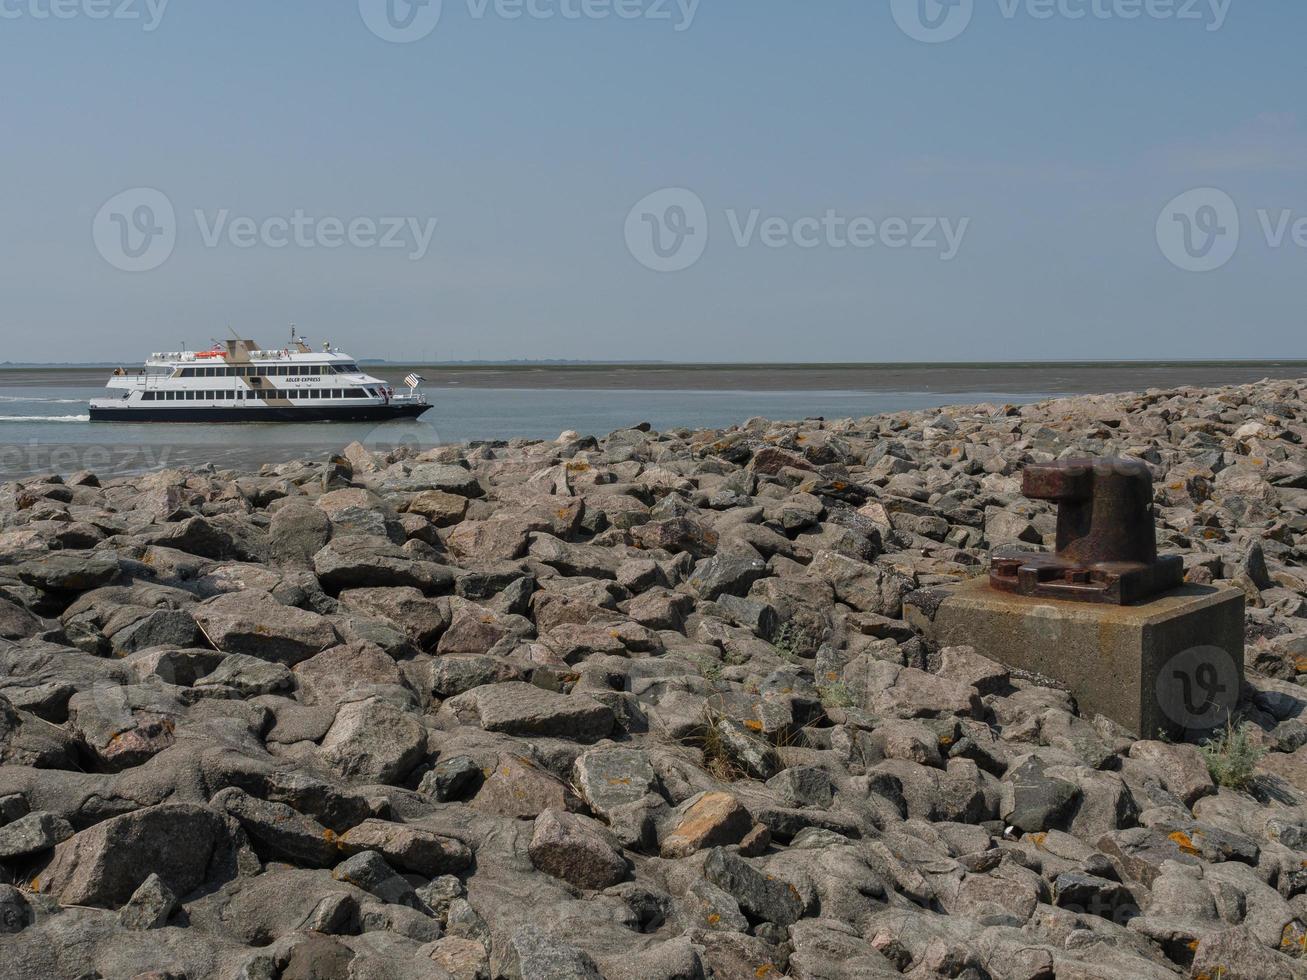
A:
(1017, 378)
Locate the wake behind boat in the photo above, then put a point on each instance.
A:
(237, 381)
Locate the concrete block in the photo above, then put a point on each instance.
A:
(1171, 666)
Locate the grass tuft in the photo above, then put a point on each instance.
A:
(1232, 756)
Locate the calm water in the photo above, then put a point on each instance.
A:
(45, 427)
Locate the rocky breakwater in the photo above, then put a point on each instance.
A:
(634, 707)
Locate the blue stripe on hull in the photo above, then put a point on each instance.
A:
(262, 413)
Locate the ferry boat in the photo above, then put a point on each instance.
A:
(237, 381)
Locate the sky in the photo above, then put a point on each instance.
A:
(693, 180)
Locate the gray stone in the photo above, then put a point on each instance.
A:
(279, 831)
(249, 676)
(527, 711)
(71, 571)
(150, 907)
(726, 574)
(15, 913)
(762, 897)
(32, 834)
(423, 620)
(804, 786)
(164, 627)
(259, 626)
(359, 562)
(1034, 801)
(409, 848)
(1091, 895)
(297, 532)
(451, 779)
(16, 623)
(533, 954)
(368, 870)
(185, 845)
(374, 740)
(610, 778)
(436, 476)
(577, 849)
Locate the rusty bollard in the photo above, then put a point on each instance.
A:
(1106, 537)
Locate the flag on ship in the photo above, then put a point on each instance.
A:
(413, 380)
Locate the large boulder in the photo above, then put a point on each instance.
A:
(258, 625)
(297, 532)
(71, 571)
(375, 741)
(577, 849)
(436, 476)
(527, 711)
(355, 561)
(185, 845)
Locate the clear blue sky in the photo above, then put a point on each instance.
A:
(1058, 140)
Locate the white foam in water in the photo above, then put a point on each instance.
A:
(44, 401)
(45, 418)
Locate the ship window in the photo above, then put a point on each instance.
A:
(188, 372)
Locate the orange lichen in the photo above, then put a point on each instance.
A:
(1184, 842)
